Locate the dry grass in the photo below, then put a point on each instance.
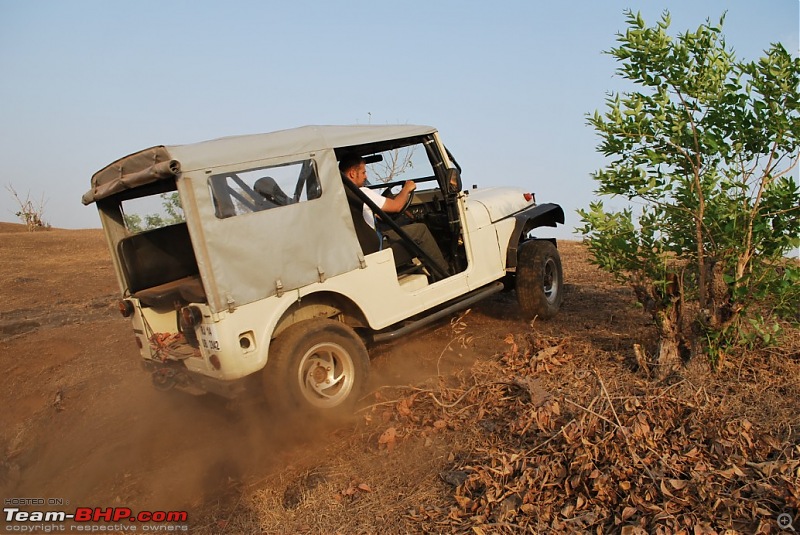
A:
(487, 425)
(544, 436)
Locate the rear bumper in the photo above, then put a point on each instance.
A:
(174, 375)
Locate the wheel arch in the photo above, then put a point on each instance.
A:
(541, 215)
(323, 304)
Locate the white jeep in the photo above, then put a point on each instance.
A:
(263, 273)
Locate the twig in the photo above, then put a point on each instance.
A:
(454, 327)
(624, 431)
(670, 387)
(433, 395)
(610, 403)
(390, 402)
(590, 411)
(560, 431)
(741, 364)
(456, 402)
(438, 360)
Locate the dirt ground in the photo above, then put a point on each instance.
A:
(483, 424)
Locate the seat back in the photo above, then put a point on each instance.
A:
(157, 256)
(270, 190)
(367, 236)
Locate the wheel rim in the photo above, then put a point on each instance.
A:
(550, 280)
(326, 375)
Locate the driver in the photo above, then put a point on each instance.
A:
(354, 168)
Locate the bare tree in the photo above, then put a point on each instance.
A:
(32, 214)
(394, 164)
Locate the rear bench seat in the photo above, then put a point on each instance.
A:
(183, 291)
(160, 267)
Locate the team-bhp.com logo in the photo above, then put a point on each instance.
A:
(17, 518)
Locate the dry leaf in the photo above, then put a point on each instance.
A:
(388, 438)
(463, 501)
(678, 484)
(546, 353)
(404, 407)
(364, 487)
(510, 341)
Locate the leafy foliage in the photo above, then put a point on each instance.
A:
(173, 213)
(706, 146)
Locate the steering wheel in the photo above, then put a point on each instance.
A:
(408, 201)
(388, 193)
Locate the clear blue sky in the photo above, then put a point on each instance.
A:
(507, 83)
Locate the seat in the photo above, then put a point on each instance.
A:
(182, 291)
(369, 239)
(157, 256)
(270, 190)
(160, 267)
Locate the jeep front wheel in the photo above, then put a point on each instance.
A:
(317, 365)
(539, 280)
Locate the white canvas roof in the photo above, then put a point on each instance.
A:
(239, 149)
(161, 162)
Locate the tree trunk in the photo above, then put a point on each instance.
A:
(666, 305)
(671, 341)
(722, 311)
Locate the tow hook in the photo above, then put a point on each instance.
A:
(164, 379)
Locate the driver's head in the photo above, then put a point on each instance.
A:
(354, 167)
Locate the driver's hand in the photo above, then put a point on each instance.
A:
(409, 186)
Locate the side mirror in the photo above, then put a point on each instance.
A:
(453, 180)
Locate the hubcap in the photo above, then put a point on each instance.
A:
(326, 375)
(550, 282)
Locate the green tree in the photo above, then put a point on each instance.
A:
(133, 222)
(172, 206)
(705, 146)
(172, 214)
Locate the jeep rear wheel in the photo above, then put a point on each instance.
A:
(317, 365)
(540, 281)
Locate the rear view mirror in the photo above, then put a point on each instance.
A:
(453, 180)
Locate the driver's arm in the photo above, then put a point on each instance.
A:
(392, 206)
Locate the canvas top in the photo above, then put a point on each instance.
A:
(166, 161)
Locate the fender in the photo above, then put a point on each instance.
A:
(541, 215)
(320, 304)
